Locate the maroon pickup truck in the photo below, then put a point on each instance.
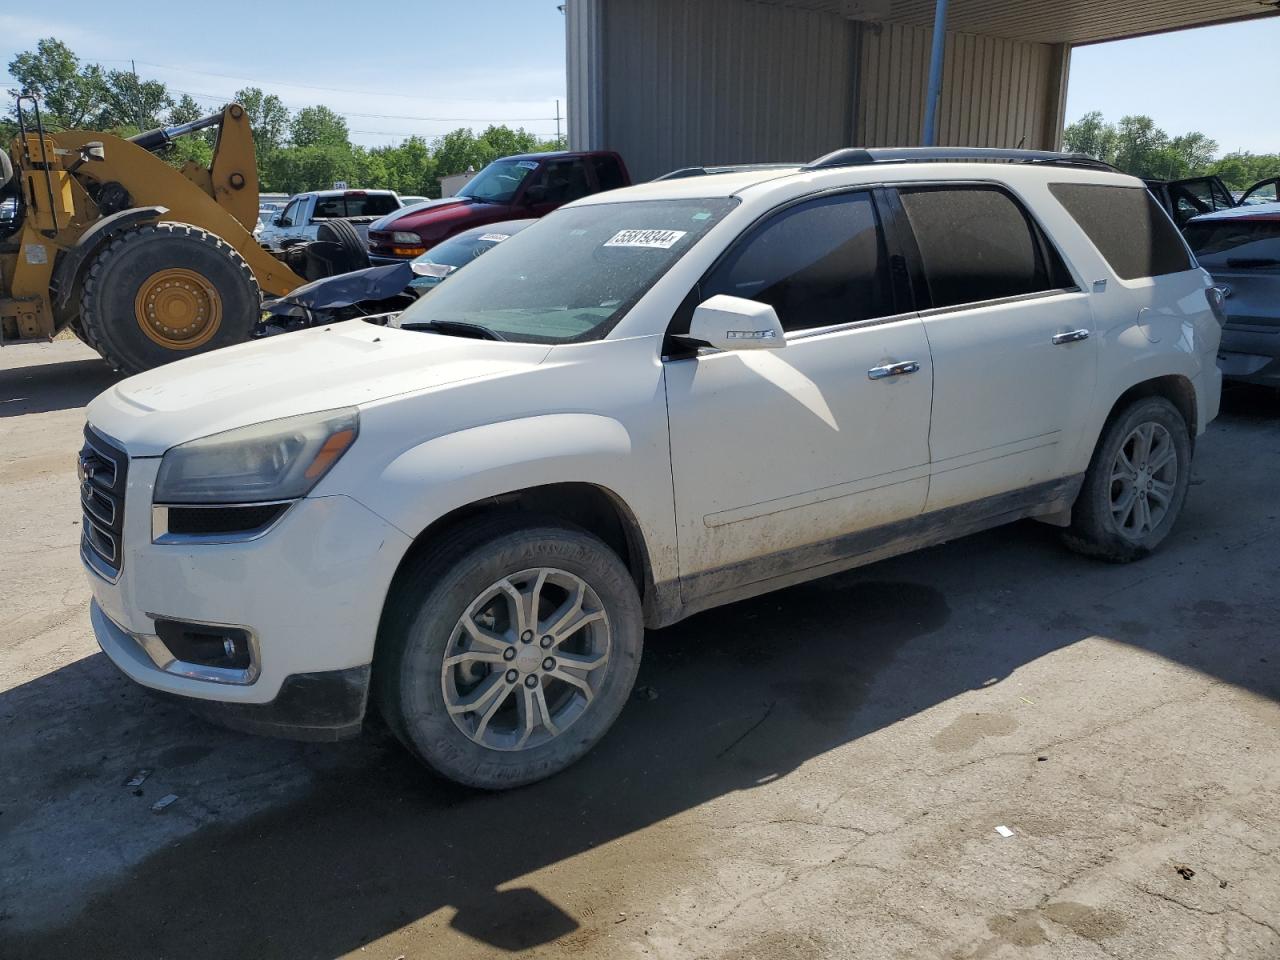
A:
(511, 188)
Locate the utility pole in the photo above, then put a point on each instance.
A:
(558, 142)
(137, 95)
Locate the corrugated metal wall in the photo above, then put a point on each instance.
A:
(996, 93)
(673, 83)
(723, 81)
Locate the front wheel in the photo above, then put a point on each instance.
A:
(506, 655)
(1136, 484)
(163, 291)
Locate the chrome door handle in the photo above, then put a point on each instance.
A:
(1071, 336)
(893, 370)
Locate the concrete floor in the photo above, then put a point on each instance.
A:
(820, 775)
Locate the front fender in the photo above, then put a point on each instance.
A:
(67, 274)
(442, 474)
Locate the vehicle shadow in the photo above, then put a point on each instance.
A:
(727, 700)
(43, 388)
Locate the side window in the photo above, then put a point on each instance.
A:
(608, 173)
(1129, 228)
(1221, 199)
(1262, 193)
(566, 180)
(291, 214)
(977, 243)
(818, 263)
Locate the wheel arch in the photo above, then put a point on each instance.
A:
(1176, 388)
(68, 273)
(587, 506)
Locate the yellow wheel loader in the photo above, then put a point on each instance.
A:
(144, 262)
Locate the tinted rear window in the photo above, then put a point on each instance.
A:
(368, 205)
(1246, 243)
(1134, 236)
(978, 244)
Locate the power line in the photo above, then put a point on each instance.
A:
(385, 116)
(300, 86)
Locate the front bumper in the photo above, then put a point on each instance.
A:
(310, 592)
(326, 705)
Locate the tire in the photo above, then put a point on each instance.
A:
(166, 272)
(423, 623)
(354, 253)
(1107, 522)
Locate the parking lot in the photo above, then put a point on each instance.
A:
(818, 773)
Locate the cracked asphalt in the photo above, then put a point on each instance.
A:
(820, 774)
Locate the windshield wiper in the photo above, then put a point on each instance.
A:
(476, 330)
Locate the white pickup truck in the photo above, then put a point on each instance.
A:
(301, 219)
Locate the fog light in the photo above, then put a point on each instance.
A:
(205, 644)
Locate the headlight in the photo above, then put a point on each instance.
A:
(402, 236)
(277, 460)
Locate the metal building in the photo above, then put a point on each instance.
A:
(673, 83)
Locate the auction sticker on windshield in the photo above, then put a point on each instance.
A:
(656, 239)
(494, 237)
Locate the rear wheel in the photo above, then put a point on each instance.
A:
(165, 291)
(352, 253)
(506, 655)
(1136, 484)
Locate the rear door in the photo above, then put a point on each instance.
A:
(1014, 362)
(779, 456)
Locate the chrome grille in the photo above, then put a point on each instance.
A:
(103, 469)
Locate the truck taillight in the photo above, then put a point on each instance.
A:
(1217, 297)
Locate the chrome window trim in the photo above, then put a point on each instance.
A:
(1001, 301)
(160, 524)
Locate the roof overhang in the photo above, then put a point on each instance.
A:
(1050, 21)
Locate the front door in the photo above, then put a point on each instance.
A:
(778, 454)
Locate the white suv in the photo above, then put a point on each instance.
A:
(652, 402)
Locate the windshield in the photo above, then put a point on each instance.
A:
(572, 275)
(498, 182)
(464, 248)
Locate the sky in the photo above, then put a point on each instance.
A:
(1218, 80)
(428, 67)
(445, 65)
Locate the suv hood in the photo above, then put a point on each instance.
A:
(343, 365)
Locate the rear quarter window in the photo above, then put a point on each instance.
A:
(1133, 234)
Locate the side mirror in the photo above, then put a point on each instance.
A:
(277, 221)
(534, 194)
(732, 323)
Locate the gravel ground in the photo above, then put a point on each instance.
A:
(814, 774)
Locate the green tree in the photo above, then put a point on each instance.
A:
(502, 141)
(457, 150)
(185, 110)
(1091, 135)
(70, 95)
(268, 118)
(318, 127)
(132, 101)
(1240, 170)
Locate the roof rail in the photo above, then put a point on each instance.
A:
(685, 172)
(859, 156)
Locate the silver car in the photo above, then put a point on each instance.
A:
(1241, 248)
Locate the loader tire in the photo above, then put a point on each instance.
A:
(164, 291)
(354, 254)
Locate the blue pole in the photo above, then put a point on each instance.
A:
(935, 74)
